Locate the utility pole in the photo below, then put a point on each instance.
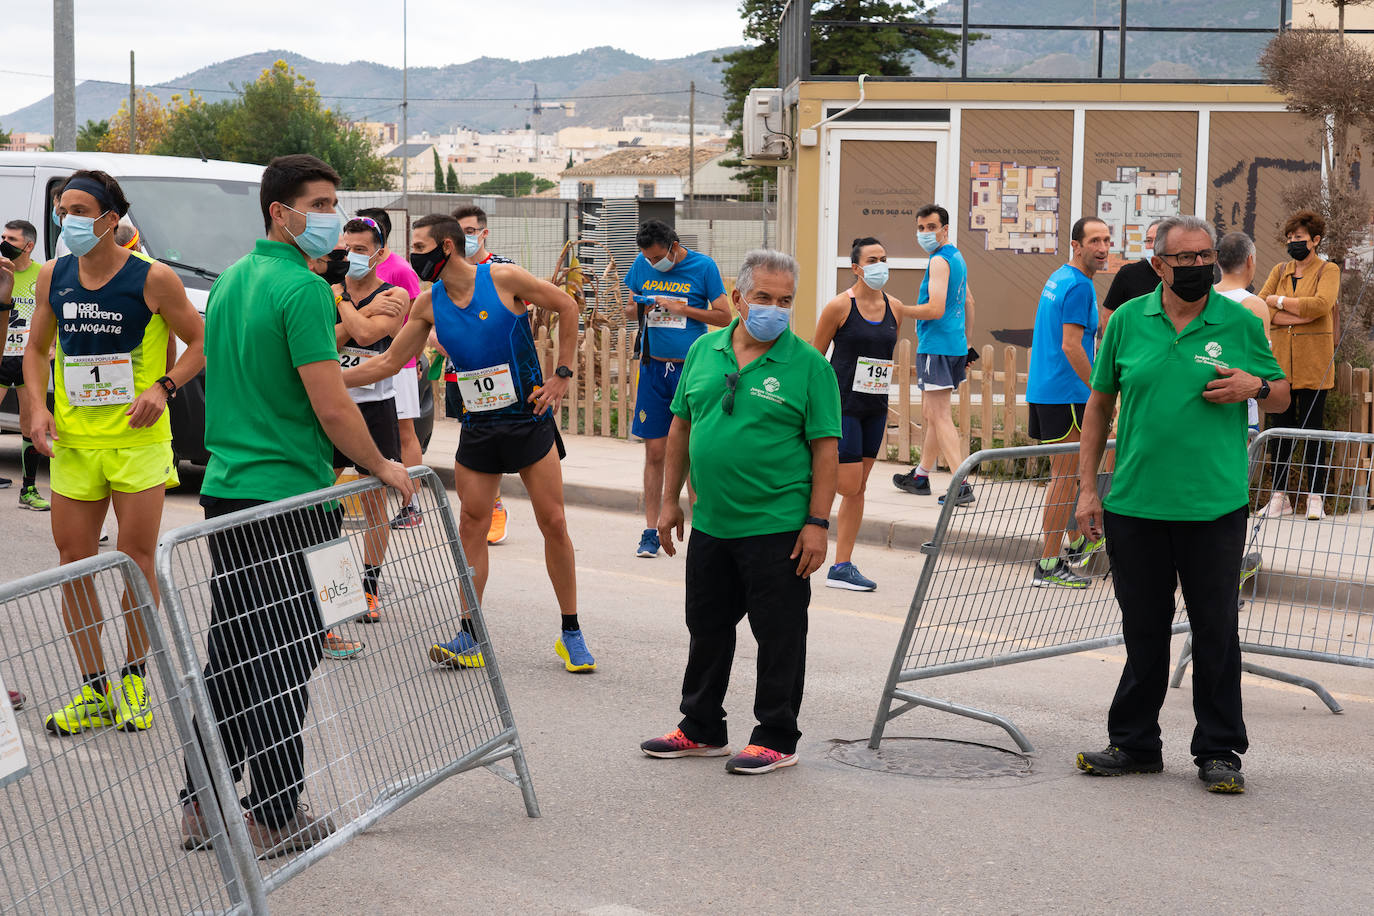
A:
(405, 128)
(691, 146)
(63, 75)
(133, 106)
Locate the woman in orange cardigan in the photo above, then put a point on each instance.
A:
(1301, 295)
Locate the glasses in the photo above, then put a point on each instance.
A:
(367, 221)
(727, 400)
(1189, 258)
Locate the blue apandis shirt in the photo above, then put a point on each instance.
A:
(945, 336)
(695, 278)
(1068, 298)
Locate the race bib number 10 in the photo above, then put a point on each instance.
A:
(487, 389)
(99, 381)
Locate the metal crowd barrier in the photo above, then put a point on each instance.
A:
(1313, 595)
(380, 728)
(90, 822)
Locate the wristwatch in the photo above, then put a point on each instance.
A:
(167, 385)
(817, 520)
(563, 372)
(1264, 390)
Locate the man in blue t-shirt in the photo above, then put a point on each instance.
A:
(687, 294)
(944, 321)
(1057, 389)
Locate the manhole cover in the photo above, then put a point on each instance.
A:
(932, 757)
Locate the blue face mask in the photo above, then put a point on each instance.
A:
(927, 240)
(472, 244)
(666, 263)
(875, 275)
(767, 322)
(358, 265)
(56, 219)
(321, 233)
(79, 233)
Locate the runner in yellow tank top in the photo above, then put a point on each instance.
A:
(107, 313)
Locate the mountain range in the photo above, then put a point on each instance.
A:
(606, 84)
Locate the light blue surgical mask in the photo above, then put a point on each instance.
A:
(928, 240)
(767, 322)
(472, 244)
(358, 265)
(321, 235)
(875, 275)
(666, 263)
(1149, 253)
(56, 218)
(79, 233)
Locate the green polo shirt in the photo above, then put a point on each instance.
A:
(751, 469)
(1179, 457)
(267, 316)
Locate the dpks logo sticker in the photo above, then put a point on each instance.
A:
(337, 579)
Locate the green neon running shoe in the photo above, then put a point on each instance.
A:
(134, 713)
(30, 499)
(88, 709)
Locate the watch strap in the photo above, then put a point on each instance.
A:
(818, 521)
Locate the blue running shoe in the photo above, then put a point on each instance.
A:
(462, 651)
(847, 575)
(648, 543)
(965, 497)
(572, 648)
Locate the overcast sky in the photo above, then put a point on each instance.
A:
(172, 37)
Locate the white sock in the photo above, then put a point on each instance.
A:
(921, 471)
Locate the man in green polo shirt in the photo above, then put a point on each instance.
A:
(757, 410)
(274, 402)
(1183, 360)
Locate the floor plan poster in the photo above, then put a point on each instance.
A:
(1129, 204)
(1014, 206)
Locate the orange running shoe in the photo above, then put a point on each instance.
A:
(338, 647)
(372, 615)
(497, 534)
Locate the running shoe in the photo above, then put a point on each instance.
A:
(1249, 565)
(337, 647)
(462, 651)
(408, 517)
(757, 759)
(497, 533)
(847, 575)
(648, 544)
(88, 709)
(1113, 761)
(29, 498)
(1059, 574)
(1315, 511)
(911, 483)
(1222, 777)
(16, 699)
(1277, 506)
(965, 497)
(5, 483)
(134, 713)
(1079, 552)
(195, 830)
(676, 744)
(572, 648)
(372, 615)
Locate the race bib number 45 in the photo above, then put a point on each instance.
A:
(98, 381)
(872, 375)
(15, 341)
(487, 389)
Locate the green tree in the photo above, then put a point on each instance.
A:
(193, 130)
(439, 182)
(452, 182)
(90, 135)
(513, 184)
(5, 137)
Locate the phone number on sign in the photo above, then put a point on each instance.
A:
(877, 212)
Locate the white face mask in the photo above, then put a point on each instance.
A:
(665, 263)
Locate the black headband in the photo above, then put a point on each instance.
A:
(93, 188)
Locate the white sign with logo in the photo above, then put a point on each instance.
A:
(13, 763)
(338, 579)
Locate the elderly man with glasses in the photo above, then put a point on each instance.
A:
(757, 412)
(1183, 360)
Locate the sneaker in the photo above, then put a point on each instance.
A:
(648, 543)
(911, 483)
(408, 517)
(1249, 565)
(572, 648)
(133, 714)
(1115, 762)
(847, 575)
(1058, 574)
(676, 744)
(1079, 552)
(1222, 777)
(965, 497)
(5, 483)
(462, 651)
(88, 709)
(497, 533)
(29, 498)
(372, 615)
(757, 759)
(16, 699)
(1315, 511)
(297, 834)
(195, 832)
(337, 647)
(1277, 506)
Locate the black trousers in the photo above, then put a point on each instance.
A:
(1305, 411)
(1149, 558)
(727, 579)
(264, 644)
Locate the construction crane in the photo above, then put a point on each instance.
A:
(536, 108)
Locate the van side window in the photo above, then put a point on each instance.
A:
(51, 231)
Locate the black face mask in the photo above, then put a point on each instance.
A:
(1192, 283)
(335, 266)
(428, 264)
(1298, 251)
(9, 251)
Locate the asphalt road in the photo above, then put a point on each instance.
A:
(622, 833)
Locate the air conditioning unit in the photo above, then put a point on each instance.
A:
(763, 134)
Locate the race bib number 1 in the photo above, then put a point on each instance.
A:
(99, 381)
(487, 389)
(872, 375)
(15, 341)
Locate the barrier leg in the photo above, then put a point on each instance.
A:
(1184, 657)
(981, 715)
(1297, 680)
